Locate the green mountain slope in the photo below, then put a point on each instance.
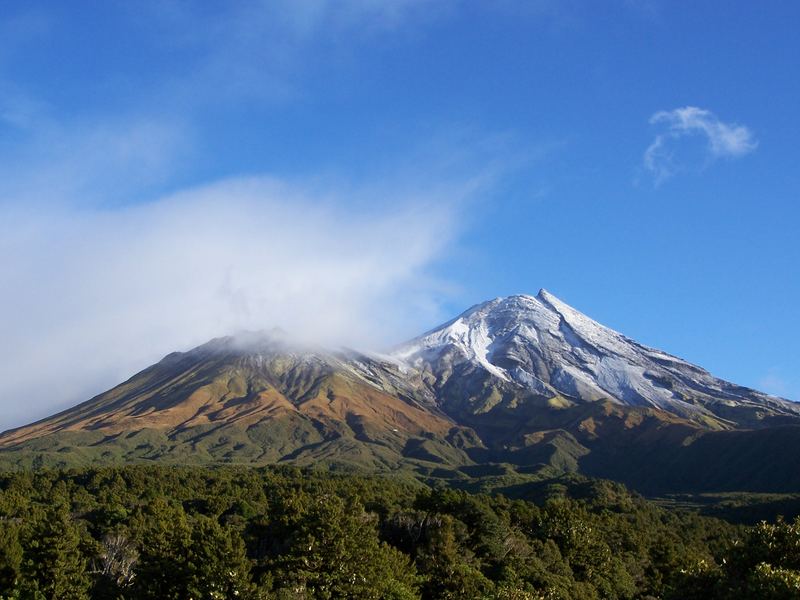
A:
(449, 413)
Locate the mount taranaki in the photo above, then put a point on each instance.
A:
(517, 385)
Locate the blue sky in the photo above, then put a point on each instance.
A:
(172, 170)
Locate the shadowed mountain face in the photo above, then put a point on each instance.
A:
(526, 382)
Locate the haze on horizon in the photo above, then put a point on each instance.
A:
(358, 172)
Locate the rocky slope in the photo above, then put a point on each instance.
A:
(551, 350)
(526, 382)
(255, 397)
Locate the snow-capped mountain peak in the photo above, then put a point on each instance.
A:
(468, 334)
(546, 346)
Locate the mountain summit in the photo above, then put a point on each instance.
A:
(546, 346)
(519, 383)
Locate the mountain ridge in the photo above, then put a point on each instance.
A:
(525, 381)
(577, 357)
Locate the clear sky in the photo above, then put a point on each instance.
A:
(360, 170)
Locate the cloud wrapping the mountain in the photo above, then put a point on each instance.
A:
(664, 157)
(92, 295)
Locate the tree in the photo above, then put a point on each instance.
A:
(217, 563)
(54, 567)
(180, 559)
(334, 552)
(10, 555)
(765, 565)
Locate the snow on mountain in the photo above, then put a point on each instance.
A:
(471, 336)
(546, 346)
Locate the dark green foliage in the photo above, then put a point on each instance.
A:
(765, 565)
(198, 561)
(10, 554)
(54, 566)
(160, 532)
(331, 549)
(179, 558)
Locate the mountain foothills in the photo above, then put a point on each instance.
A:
(511, 388)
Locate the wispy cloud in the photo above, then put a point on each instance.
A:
(666, 155)
(105, 269)
(93, 295)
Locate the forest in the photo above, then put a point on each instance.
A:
(179, 533)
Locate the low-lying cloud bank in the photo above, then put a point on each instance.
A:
(91, 296)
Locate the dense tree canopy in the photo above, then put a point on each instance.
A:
(178, 533)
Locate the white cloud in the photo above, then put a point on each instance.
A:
(724, 139)
(98, 284)
(666, 156)
(91, 296)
